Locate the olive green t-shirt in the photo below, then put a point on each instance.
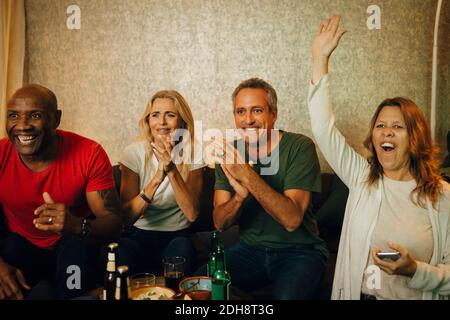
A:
(298, 168)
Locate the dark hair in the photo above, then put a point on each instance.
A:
(256, 83)
(424, 160)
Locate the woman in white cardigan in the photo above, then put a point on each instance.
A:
(397, 200)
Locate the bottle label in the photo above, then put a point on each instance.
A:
(111, 256)
(117, 295)
(104, 294)
(128, 288)
(111, 266)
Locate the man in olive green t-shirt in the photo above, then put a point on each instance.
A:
(270, 198)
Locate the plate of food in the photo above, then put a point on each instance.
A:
(152, 293)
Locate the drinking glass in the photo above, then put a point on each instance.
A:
(173, 271)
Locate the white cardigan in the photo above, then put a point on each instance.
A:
(363, 206)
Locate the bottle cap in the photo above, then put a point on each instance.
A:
(113, 245)
(122, 269)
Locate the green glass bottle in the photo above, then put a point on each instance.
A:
(221, 280)
(215, 243)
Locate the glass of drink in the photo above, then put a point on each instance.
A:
(142, 280)
(173, 271)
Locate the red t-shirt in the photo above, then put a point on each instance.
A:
(81, 166)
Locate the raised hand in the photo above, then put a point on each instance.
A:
(327, 37)
(325, 41)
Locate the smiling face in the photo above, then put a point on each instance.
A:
(391, 142)
(251, 113)
(164, 117)
(31, 123)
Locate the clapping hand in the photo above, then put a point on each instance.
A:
(162, 147)
(234, 167)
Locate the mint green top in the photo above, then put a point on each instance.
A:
(298, 168)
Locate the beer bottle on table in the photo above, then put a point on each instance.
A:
(215, 243)
(221, 280)
(122, 283)
(109, 283)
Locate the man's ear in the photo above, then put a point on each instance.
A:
(275, 114)
(57, 118)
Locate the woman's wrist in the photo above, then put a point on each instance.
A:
(152, 185)
(169, 168)
(320, 68)
(148, 200)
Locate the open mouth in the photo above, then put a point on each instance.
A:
(26, 139)
(387, 146)
(163, 131)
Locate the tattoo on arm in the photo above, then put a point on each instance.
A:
(110, 199)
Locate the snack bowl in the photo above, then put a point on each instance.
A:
(197, 288)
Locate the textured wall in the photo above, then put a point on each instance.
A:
(104, 73)
(443, 93)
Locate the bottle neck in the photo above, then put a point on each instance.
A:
(220, 260)
(214, 242)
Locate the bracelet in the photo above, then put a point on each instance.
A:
(144, 197)
(169, 168)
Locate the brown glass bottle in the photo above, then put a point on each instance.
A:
(109, 282)
(122, 283)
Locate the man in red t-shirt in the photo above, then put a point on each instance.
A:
(58, 198)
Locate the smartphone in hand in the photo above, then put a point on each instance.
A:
(392, 255)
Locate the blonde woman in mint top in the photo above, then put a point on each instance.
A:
(397, 199)
(159, 193)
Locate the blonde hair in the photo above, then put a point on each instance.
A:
(187, 123)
